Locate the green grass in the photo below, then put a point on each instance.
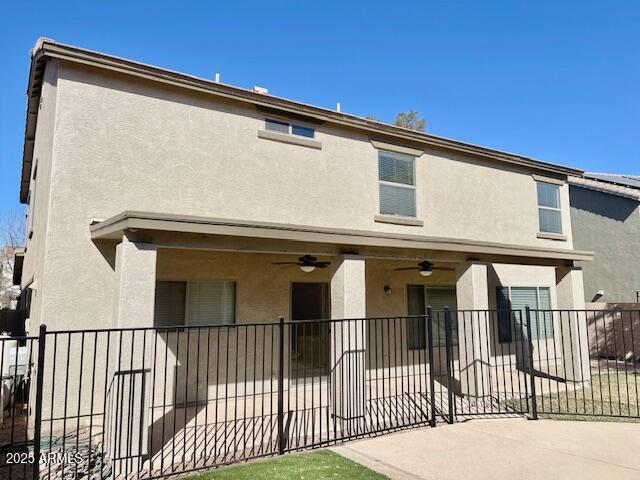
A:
(610, 394)
(319, 464)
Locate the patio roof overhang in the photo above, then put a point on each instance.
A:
(180, 231)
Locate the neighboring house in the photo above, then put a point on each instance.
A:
(605, 215)
(8, 291)
(157, 198)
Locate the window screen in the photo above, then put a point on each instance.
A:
(549, 212)
(396, 174)
(211, 302)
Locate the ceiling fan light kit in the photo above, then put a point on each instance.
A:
(425, 268)
(307, 263)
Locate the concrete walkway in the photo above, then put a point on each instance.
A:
(505, 449)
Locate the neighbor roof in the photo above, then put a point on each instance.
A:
(631, 181)
(627, 186)
(46, 49)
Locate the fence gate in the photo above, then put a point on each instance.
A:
(482, 363)
(18, 356)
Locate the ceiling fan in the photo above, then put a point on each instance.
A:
(426, 268)
(307, 263)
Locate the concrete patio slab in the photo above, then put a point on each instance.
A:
(499, 449)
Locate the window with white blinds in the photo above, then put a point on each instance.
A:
(437, 297)
(396, 174)
(517, 299)
(211, 302)
(194, 303)
(549, 212)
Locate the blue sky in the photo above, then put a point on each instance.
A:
(557, 81)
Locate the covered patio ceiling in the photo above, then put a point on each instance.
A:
(181, 231)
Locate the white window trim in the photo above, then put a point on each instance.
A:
(553, 209)
(394, 184)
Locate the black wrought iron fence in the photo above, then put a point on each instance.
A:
(151, 402)
(483, 371)
(157, 401)
(590, 364)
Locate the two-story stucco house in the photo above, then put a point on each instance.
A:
(605, 213)
(144, 183)
(157, 198)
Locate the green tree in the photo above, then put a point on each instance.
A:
(410, 120)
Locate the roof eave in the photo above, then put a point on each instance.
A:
(113, 228)
(34, 90)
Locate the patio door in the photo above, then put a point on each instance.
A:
(310, 334)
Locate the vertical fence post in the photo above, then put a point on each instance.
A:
(449, 351)
(281, 439)
(37, 430)
(432, 380)
(534, 402)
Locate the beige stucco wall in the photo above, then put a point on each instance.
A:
(263, 290)
(40, 197)
(123, 144)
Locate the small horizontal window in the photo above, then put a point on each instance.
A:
(289, 128)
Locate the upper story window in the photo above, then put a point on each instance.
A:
(549, 211)
(289, 128)
(396, 174)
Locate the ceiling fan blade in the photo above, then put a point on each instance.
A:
(284, 263)
(322, 264)
(448, 269)
(408, 268)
